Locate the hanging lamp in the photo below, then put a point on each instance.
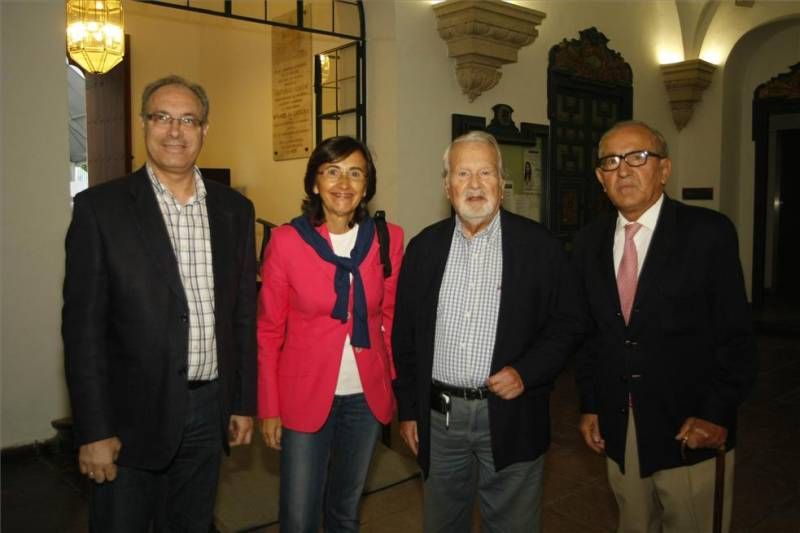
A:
(95, 34)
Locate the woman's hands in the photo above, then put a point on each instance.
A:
(271, 431)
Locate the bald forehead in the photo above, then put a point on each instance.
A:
(630, 134)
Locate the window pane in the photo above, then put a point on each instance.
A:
(347, 62)
(318, 14)
(328, 128)
(282, 11)
(328, 100)
(328, 66)
(212, 5)
(347, 93)
(347, 124)
(346, 18)
(249, 8)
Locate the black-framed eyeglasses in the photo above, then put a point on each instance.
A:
(165, 120)
(636, 158)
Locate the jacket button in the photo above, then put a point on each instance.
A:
(182, 371)
(184, 318)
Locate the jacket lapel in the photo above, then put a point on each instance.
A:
(658, 254)
(151, 226)
(436, 255)
(222, 233)
(510, 262)
(605, 259)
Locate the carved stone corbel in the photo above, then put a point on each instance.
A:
(685, 83)
(483, 35)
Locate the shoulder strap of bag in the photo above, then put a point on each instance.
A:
(383, 240)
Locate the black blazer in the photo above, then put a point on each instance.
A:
(537, 328)
(689, 347)
(125, 317)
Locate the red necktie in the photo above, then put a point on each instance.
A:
(628, 273)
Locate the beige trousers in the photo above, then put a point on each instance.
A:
(677, 500)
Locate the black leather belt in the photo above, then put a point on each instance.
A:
(199, 383)
(477, 393)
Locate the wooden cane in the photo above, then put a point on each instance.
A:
(719, 489)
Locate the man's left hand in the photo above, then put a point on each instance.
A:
(507, 384)
(699, 433)
(240, 430)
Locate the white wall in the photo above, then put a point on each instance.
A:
(35, 213)
(428, 93)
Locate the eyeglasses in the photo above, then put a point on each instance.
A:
(636, 158)
(334, 173)
(165, 120)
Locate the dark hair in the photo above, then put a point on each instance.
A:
(332, 150)
(172, 79)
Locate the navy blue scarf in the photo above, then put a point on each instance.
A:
(344, 267)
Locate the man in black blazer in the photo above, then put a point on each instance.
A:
(159, 326)
(670, 353)
(484, 320)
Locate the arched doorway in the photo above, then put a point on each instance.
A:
(776, 201)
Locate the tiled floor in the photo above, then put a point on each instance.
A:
(43, 493)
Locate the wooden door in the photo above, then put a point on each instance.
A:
(589, 89)
(108, 121)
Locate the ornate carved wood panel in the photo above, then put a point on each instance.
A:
(589, 88)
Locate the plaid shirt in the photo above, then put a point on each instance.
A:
(188, 231)
(469, 301)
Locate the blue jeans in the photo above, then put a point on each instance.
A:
(179, 498)
(324, 472)
(461, 462)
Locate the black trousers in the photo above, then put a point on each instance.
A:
(179, 498)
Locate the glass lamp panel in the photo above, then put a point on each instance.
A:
(95, 34)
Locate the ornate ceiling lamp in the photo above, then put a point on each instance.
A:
(95, 34)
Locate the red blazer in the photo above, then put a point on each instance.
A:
(300, 345)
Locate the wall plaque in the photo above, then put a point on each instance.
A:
(291, 94)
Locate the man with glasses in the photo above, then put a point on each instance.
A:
(485, 318)
(669, 354)
(159, 326)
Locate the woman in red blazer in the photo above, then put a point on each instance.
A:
(324, 329)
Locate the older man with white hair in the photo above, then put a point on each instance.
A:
(485, 318)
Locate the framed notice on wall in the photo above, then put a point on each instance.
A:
(291, 94)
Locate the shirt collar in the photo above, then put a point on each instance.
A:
(488, 232)
(199, 186)
(649, 218)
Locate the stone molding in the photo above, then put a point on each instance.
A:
(484, 35)
(685, 82)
